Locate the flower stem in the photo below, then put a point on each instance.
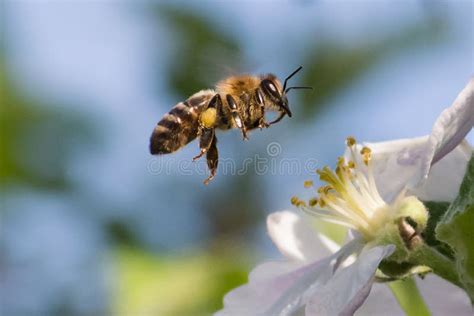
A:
(408, 296)
(440, 264)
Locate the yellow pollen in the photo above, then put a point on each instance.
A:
(366, 154)
(348, 195)
(313, 202)
(300, 204)
(208, 117)
(294, 200)
(325, 189)
(322, 203)
(350, 141)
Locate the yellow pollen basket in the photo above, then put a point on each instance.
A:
(208, 117)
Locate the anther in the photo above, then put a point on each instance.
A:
(294, 200)
(350, 141)
(308, 184)
(300, 203)
(322, 203)
(324, 189)
(313, 202)
(366, 153)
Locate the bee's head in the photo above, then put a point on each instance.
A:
(274, 91)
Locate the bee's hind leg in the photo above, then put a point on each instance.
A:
(205, 141)
(212, 160)
(207, 121)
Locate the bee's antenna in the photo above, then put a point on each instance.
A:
(309, 88)
(292, 74)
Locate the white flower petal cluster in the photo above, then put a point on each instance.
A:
(370, 180)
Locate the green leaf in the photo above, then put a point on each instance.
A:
(408, 296)
(436, 211)
(457, 229)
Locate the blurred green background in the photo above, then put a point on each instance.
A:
(91, 224)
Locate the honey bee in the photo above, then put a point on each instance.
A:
(236, 102)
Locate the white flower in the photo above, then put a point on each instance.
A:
(281, 288)
(371, 184)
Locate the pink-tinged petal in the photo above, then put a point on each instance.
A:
(396, 163)
(349, 287)
(272, 269)
(453, 124)
(445, 176)
(329, 244)
(408, 162)
(294, 238)
(380, 301)
(282, 291)
(399, 164)
(261, 295)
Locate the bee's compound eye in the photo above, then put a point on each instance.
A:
(270, 88)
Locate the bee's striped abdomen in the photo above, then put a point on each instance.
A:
(180, 125)
(177, 128)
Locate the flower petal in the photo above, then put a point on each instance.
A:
(408, 162)
(262, 293)
(272, 269)
(350, 286)
(294, 237)
(282, 291)
(453, 124)
(398, 164)
(395, 163)
(446, 175)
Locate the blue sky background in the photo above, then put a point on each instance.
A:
(101, 59)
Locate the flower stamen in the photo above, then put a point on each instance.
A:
(349, 195)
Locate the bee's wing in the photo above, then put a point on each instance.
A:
(180, 125)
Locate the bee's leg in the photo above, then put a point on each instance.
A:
(205, 141)
(260, 101)
(212, 160)
(278, 119)
(263, 124)
(236, 116)
(222, 117)
(207, 122)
